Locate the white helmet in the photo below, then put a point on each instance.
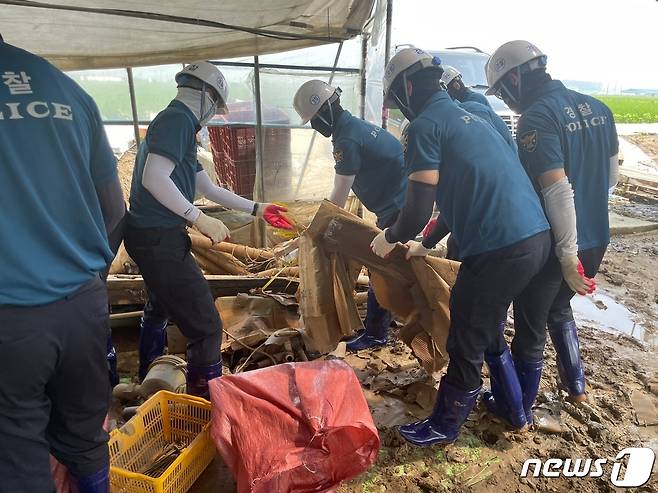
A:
(209, 74)
(408, 60)
(449, 74)
(511, 55)
(310, 97)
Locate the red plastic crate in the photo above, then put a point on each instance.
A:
(234, 154)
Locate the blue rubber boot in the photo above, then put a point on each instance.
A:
(505, 399)
(451, 410)
(98, 482)
(152, 342)
(529, 373)
(376, 324)
(570, 367)
(198, 377)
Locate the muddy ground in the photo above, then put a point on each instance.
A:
(647, 142)
(622, 376)
(487, 455)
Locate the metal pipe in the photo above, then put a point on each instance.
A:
(364, 56)
(210, 124)
(310, 145)
(133, 104)
(387, 51)
(259, 182)
(315, 68)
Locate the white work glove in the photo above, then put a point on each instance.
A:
(212, 228)
(574, 276)
(416, 249)
(380, 245)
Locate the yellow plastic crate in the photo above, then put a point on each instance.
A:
(164, 419)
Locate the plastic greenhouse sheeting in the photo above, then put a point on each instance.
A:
(77, 34)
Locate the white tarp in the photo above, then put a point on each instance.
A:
(112, 33)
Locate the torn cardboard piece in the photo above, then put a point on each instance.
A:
(332, 250)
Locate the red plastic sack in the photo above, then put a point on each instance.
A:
(296, 427)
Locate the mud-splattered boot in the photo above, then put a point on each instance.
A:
(198, 377)
(376, 324)
(569, 364)
(152, 343)
(505, 398)
(529, 373)
(451, 410)
(98, 482)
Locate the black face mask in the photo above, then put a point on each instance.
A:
(321, 126)
(457, 91)
(402, 103)
(419, 95)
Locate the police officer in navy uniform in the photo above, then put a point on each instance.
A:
(458, 160)
(369, 161)
(165, 179)
(61, 222)
(436, 230)
(458, 90)
(476, 104)
(568, 145)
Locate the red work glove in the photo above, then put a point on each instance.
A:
(589, 281)
(429, 227)
(273, 215)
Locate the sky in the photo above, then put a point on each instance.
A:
(610, 41)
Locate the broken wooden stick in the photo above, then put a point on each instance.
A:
(222, 262)
(242, 252)
(280, 272)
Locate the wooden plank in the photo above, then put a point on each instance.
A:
(129, 290)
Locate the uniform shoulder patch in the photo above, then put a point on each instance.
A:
(338, 155)
(528, 141)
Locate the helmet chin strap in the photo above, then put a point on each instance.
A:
(406, 106)
(515, 98)
(331, 117)
(327, 126)
(206, 100)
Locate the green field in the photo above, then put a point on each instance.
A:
(113, 98)
(633, 109)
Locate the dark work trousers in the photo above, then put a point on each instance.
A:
(155, 313)
(485, 287)
(561, 309)
(54, 390)
(547, 298)
(452, 251)
(178, 287)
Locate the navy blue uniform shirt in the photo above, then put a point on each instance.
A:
(171, 134)
(484, 194)
(478, 97)
(53, 155)
(376, 158)
(570, 130)
(492, 117)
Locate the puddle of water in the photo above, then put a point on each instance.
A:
(387, 411)
(609, 315)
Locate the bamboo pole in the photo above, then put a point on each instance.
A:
(280, 272)
(242, 252)
(222, 261)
